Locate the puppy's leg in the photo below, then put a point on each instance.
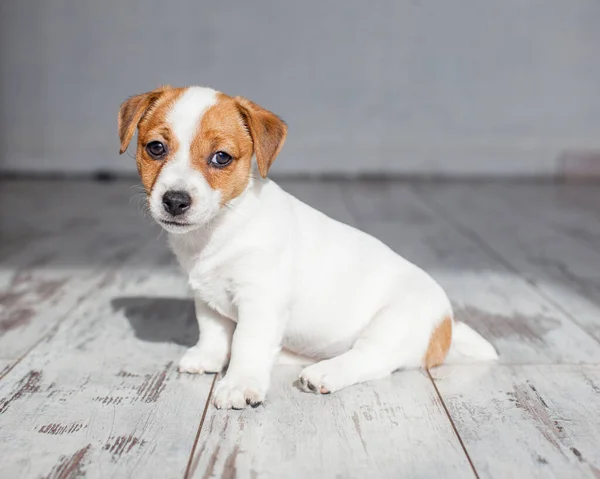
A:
(396, 338)
(256, 344)
(354, 366)
(211, 353)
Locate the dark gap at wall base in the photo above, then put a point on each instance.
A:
(105, 176)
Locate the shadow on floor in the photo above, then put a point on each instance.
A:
(160, 320)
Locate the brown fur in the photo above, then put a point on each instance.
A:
(131, 112)
(147, 112)
(439, 344)
(240, 128)
(222, 129)
(268, 133)
(153, 126)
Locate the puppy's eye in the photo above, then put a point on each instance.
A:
(220, 159)
(156, 149)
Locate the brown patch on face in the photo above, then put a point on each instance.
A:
(154, 127)
(148, 113)
(439, 344)
(241, 129)
(222, 128)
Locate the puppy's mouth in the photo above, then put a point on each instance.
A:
(175, 223)
(177, 227)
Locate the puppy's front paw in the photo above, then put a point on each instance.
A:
(199, 361)
(237, 393)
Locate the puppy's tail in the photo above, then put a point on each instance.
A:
(469, 346)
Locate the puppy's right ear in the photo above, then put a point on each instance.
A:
(131, 112)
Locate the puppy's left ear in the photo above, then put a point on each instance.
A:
(267, 130)
(131, 113)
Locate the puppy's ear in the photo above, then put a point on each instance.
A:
(267, 130)
(131, 112)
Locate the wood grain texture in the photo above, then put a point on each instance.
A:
(526, 421)
(565, 272)
(498, 302)
(37, 297)
(31, 211)
(572, 211)
(394, 427)
(585, 198)
(101, 394)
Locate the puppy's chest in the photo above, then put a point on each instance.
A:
(214, 286)
(210, 277)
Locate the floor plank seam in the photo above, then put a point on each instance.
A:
(472, 235)
(35, 345)
(462, 444)
(192, 464)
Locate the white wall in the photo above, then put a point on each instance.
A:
(464, 87)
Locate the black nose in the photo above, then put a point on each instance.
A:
(176, 202)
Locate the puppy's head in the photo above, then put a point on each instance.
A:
(195, 149)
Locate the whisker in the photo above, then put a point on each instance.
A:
(138, 188)
(232, 209)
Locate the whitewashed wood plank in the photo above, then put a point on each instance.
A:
(573, 210)
(37, 297)
(50, 275)
(69, 208)
(562, 269)
(5, 365)
(584, 196)
(382, 200)
(496, 301)
(394, 427)
(101, 395)
(526, 421)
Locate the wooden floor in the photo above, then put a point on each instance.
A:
(95, 315)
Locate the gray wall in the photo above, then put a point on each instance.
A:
(445, 87)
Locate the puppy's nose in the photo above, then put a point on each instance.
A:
(176, 202)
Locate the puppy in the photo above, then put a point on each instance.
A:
(267, 271)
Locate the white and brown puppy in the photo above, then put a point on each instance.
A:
(267, 271)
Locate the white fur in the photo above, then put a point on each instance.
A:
(178, 175)
(468, 345)
(271, 272)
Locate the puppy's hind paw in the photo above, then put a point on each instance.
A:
(312, 383)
